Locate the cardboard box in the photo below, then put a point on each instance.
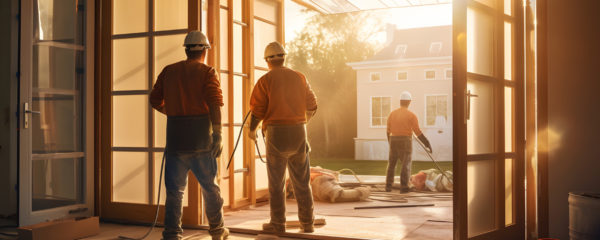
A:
(61, 229)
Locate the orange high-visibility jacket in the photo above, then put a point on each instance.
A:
(403, 122)
(281, 97)
(186, 88)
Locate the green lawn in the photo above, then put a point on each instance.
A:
(370, 167)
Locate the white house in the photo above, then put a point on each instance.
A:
(416, 60)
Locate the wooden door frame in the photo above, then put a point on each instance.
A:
(103, 125)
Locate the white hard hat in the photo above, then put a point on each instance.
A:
(196, 41)
(405, 96)
(274, 51)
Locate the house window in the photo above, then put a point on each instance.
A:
(375, 76)
(401, 76)
(429, 74)
(436, 113)
(435, 48)
(448, 73)
(380, 109)
(400, 50)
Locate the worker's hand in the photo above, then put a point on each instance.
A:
(425, 142)
(252, 135)
(217, 145)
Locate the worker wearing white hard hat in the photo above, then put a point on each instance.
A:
(189, 93)
(284, 101)
(401, 124)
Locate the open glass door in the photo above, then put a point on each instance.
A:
(489, 134)
(55, 129)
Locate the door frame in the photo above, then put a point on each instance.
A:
(85, 209)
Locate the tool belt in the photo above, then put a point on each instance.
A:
(189, 133)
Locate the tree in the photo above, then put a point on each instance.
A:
(321, 51)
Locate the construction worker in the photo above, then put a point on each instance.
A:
(401, 124)
(189, 93)
(284, 101)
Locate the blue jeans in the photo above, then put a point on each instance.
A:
(204, 167)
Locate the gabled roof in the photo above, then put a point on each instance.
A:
(416, 43)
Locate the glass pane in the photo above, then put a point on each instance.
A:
(223, 36)
(130, 16)
(237, 10)
(258, 74)
(238, 163)
(224, 172)
(58, 127)
(56, 183)
(224, 3)
(56, 67)
(58, 20)
(480, 125)
(508, 120)
(130, 121)
(204, 17)
(489, 3)
(225, 89)
(157, 162)
(262, 180)
(160, 129)
(266, 9)
(386, 107)
(237, 49)
(238, 112)
(508, 7)
(376, 107)
(480, 42)
(508, 51)
(168, 50)
(130, 64)
(130, 177)
(239, 186)
(481, 197)
(508, 192)
(265, 33)
(170, 14)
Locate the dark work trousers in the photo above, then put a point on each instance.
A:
(400, 149)
(287, 146)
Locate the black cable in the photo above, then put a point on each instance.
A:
(162, 165)
(238, 141)
(432, 159)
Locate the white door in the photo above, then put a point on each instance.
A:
(56, 103)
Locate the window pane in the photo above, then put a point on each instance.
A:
(223, 3)
(58, 127)
(481, 197)
(386, 107)
(508, 7)
(157, 162)
(489, 3)
(130, 64)
(508, 192)
(204, 17)
(130, 177)
(375, 76)
(508, 120)
(56, 183)
(430, 110)
(224, 172)
(160, 129)
(56, 67)
(402, 76)
(375, 107)
(237, 10)
(237, 49)
(167, 50)
(130, 16)
(264, 34)
(238, 114)
(449, 74)
(130, 121)
(258, 74)
(480, 42)
(430, 75)
(266, 9)
(54, 21)
(225, 89)
(223, 36)
(508, 51)
(480, 125)
(170, 14)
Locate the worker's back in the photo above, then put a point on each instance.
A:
(188, 87)
(403, 122)
(282, 96)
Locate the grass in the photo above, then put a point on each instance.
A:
(372, 167)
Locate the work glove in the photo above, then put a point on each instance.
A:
(217, 145)
(425, 142)
(252, 135)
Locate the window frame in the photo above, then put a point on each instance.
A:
(428, 70)
(371, 111)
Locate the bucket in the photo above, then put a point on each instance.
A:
(584, 216)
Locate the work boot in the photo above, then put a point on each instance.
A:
(404, 189)
(307, 228)
(270, 227)
(388, 188)
(221, 236)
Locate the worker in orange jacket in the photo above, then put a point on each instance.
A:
(189, 93)
(401, 124)
(284, 101)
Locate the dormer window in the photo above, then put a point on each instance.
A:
(400, 50)
(435, 48)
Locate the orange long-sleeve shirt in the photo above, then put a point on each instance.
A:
(403, 122)
(282, 96)
(186, 88)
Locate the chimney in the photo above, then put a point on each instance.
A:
(390, 29)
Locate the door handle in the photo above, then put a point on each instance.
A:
(26, 113)
(468, 96)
